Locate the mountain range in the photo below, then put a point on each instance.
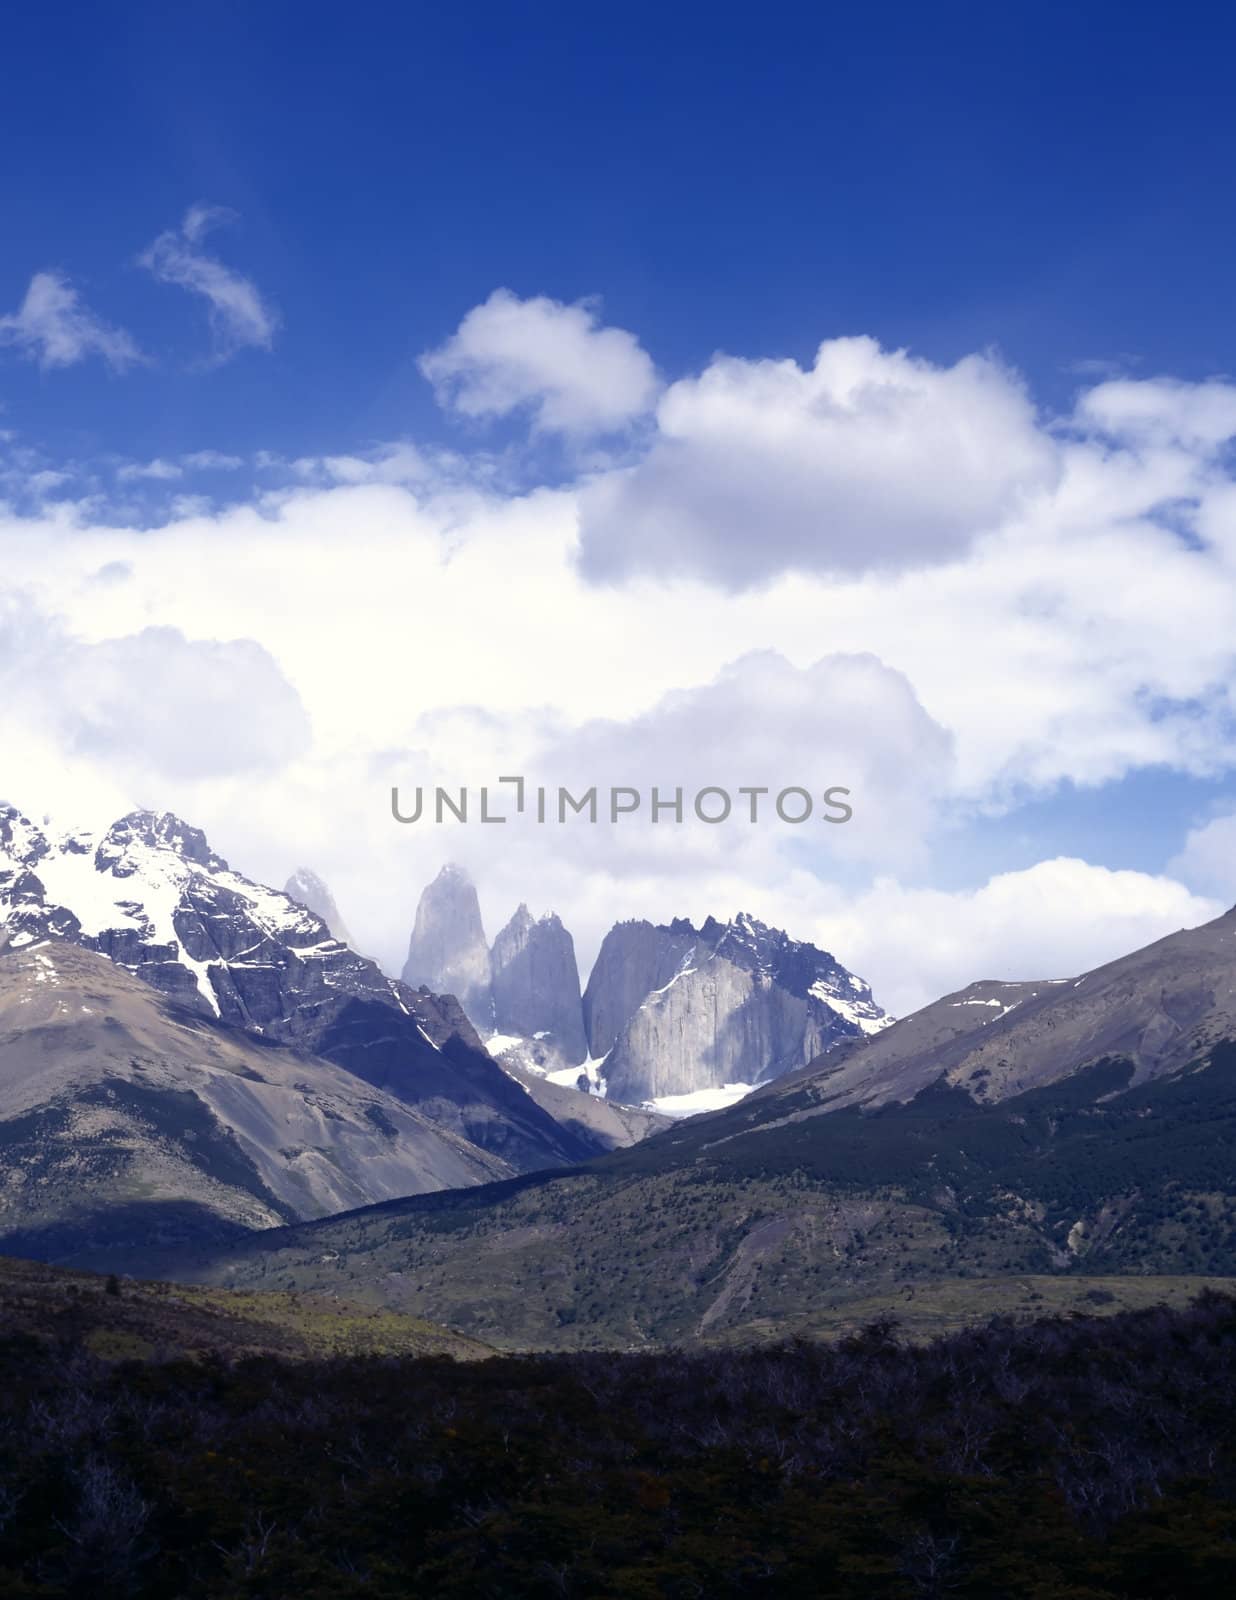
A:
(185, 1050)
(151, 895)
(199, 1079)
(674, 1018)
(1009, 1130)
(186, 1053)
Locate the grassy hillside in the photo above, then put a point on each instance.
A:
(122, 1319)
(930, 1310)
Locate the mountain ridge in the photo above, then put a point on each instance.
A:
(126, 1118)
(152, 896)
(808, 1195)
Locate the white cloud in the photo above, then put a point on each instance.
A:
(158, 469)
(553, 360)
(239, 315)
(54, 328)
(41, 484)
(428, 623)
(191, 505)
(867, 459)
(845, 721)
(760, 722)
(393, 463)
(1207, 861)
(150, 704)
(1052, 651)
(1053, 920)
(1161, 411)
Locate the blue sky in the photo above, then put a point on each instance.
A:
(1053, 180)
(1015, 531)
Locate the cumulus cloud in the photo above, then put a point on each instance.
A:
(55, 328)
(1084, 636)
(555, 361)
(183, 707)
(239, 314)
(1161, 411)
(1207, 860)
(1053, 920)
(152, 702)
(845, 722)
(869, 458)
(760, 723)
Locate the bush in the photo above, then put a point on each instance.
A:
(1082, 1458)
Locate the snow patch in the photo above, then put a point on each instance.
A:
(699, 1100)
(591, 1070)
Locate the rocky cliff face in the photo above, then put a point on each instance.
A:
(676, 1011)
(670, 1012)
(308, 890)
(536, 984)
(636, 959)
(447, 952)
(153, 897)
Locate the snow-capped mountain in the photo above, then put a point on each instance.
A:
(676, 1019)
(690, 1019)
(151, 895)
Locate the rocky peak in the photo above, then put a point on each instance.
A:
(536, 984)
(448, 951)
(636, 958)
(308, 890)
(20, 841)
(151, 831)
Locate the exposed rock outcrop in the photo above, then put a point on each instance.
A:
(447, 951)
(536, 984)
(308, 890)
(675, 1010)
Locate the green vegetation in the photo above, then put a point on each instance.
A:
(775, 1219)
(929, 1310)
(1078, 1459)
(121, 1319)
